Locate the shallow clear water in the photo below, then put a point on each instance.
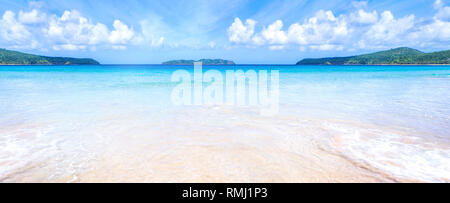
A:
(117, 123)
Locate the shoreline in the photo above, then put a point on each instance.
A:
(226, 65)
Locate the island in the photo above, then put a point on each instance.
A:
(207, 62)
(398, 56)
(8, 57)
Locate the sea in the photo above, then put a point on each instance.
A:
(119, 123)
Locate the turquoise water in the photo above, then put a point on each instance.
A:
(56, 121)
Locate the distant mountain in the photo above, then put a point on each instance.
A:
(204, 61)
(8, 57)
(398, 56)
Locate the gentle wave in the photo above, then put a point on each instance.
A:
(364, 124)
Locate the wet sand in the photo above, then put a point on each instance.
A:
(205, 145)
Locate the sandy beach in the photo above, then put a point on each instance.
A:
(117, 124)
(245, 148)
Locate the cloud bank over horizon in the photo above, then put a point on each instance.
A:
(220, 27)
(360, 29)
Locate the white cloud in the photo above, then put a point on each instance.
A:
(153, 33)
(157, 43)
(70, 47)
(240, 33)
(258, 40)
(360, 4)
(274, 34)
(388, 30)
(33, 16)
(212, 45)
(327, 47)
(443, 14)
(73, 30)
(121, 33)
(276, 47)
(14, 33)
(36, 4)
(70, 31)
(438, 30)
(366, 29)
(438, 4)
(323, 28)
(364, 17)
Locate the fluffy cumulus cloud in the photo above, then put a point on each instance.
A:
(240, 33)
(324, 28)
(364, 17)
(439, 29)
(70, 31)
(361, 28)
(121, 34)
(443, 11)
(32, 17)
(14, 33)
(387, 30)
(274, 34)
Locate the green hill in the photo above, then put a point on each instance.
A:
(204, 61)
(17, 58)
(398, 56)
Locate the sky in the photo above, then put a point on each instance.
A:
(245, 31)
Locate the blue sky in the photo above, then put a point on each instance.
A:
(246, 31)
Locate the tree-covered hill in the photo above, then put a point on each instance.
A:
(398, 56)
(204, 61)
(8, 57)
